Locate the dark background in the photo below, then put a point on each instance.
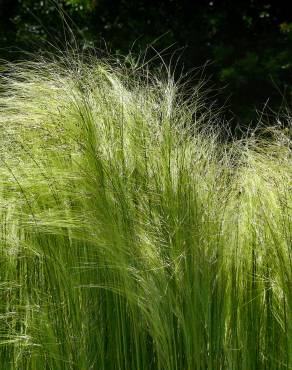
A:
(248, 43)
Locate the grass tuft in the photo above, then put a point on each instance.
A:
(132, 236)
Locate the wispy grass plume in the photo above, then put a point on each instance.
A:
(131, 236)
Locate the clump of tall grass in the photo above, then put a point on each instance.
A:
(132, 237)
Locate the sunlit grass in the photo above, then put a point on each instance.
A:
(131, 236)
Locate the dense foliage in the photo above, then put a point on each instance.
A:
(249, 42)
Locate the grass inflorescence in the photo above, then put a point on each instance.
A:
(133, 236)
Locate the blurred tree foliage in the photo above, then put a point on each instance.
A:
(247, 41)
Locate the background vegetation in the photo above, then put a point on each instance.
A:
(248, 42)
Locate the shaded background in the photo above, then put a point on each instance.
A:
(248, 42)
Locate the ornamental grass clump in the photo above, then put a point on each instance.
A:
(133, 236)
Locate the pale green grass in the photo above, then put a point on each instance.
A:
(131, 237)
